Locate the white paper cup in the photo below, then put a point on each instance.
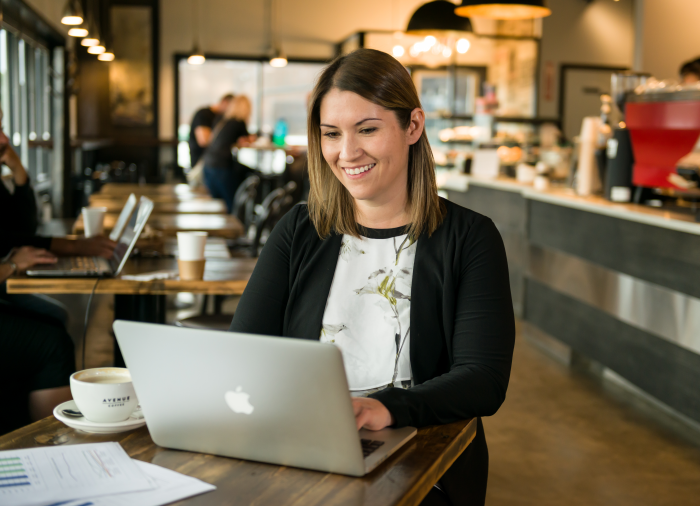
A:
(190, 245)
(105, 394)
(93, 220)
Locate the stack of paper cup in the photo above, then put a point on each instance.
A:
(587, 179)
(93, 220)
(191, 261)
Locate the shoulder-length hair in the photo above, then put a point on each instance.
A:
(239, 108)
(382, 80)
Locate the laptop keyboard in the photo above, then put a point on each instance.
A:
(88, 264)
(369, 446)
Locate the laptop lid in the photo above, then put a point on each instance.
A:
(270, 399)
(131, 233)
(124, 217)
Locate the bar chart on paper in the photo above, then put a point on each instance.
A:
(17, 475)
(44, 474)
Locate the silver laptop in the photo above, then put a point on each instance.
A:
(80, 266)
(124, 218)
(269, 399)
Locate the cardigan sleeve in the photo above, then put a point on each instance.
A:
(482, 342)
(263, 303)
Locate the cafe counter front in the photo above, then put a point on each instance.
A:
(618, 284)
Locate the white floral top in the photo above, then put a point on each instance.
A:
(368, 311)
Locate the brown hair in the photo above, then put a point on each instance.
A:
(381, 79)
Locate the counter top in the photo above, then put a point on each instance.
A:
(673, 220)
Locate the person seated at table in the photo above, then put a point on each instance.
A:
(36, 353)
(223, 173)
(412, 288)
(18, 224)
(203, 122)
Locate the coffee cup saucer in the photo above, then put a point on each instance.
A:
(135, 421)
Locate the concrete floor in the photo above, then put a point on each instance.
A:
(563, 436)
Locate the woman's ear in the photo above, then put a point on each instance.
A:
(415, 126)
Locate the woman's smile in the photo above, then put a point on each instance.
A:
(358, 171)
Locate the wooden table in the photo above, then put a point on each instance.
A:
(194, 206)
(156, 198)
(216, 225)
(149, 189)
(402, 480)
(144, 301)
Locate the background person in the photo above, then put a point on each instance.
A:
(413, 289)
(223, 173)
(690, 72)
(203, 122)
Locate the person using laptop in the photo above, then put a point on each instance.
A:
(18, 224)
(412, 288)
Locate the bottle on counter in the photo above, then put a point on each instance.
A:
(280, 132)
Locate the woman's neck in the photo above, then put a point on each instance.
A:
(392, 213)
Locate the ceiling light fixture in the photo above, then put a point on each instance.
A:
(106, 56)
(277, 57)
(196, 57)
(504, 9)
(97, 49)
(78, 32)
(93, 36)
(437, 18)
(72, 13)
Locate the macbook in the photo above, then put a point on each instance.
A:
(80, 266)
(269, 399)
(124, 217)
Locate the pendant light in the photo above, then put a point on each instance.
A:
(93, 36)
(504, 9)
(436, 18)
(108, 55)
(196, 57)
(278, 58)
(72, 13)
(78, 31)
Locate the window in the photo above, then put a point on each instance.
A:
(275, 93)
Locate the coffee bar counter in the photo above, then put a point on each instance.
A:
(617, 284)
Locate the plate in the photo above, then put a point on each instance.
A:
(135, 421)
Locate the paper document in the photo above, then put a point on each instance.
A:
(60, 473)
(169, 487)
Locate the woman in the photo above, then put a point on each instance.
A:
(222, 172)
(36, 353)
(413, 289)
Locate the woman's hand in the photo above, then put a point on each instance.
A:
(98, 246)
(371, 414)
(28, 256)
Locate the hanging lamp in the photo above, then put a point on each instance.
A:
(78, 31)
(277, 57)
(93, 36)
(72, 13)
(504, 9)
(196, 57)
(437, 17)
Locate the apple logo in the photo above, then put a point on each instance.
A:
(238, 401)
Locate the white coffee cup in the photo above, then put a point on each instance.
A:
(190, 245)
(105, 394)
(93, 220)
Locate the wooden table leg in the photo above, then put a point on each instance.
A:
(140, 308)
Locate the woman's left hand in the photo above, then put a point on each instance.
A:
(371, 414)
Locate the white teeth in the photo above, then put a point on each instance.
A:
(359, 170)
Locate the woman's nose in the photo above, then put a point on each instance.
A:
(350, 149)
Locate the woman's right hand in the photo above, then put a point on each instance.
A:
(28, 256)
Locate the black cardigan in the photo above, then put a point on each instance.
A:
(462, 324)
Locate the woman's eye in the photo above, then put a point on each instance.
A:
(331, 135)
(368, 130)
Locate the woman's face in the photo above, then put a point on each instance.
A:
(366, 147)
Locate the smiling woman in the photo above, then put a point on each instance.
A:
(411, 288)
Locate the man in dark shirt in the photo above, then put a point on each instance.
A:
(202, 125)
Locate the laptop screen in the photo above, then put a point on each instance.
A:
(130, 235)
(126, 213)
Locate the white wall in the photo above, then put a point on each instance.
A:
(670, 36)
(597, 33)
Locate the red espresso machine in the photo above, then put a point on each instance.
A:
(664, 127)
